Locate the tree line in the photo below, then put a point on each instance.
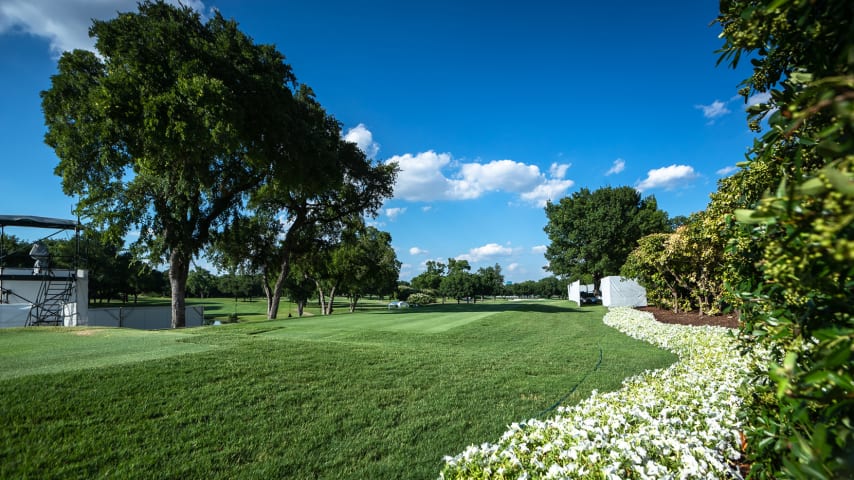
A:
(454, 280)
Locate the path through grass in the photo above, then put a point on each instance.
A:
(382, 394)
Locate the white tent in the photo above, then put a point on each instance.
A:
(574, 292)
(576, 288)
(622, 292)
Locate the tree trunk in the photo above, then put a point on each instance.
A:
(179, 269)
(300, 307)
(353, 300)
(275, 297)
(331, 301)
(597, 282)
(321, 298)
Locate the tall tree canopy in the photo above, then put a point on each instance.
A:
(594, 232)
(294, 220)
(169, 127)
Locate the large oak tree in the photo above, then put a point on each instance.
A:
(594, 232)
(168, 128)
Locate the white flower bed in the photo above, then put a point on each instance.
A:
(675, 423)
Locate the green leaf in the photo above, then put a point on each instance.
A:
(800, 77)
(813, 186)
(751, 217)
(840, 181)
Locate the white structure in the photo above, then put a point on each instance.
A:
(575, 288)
(43, 295)
(60, 298)
(622, 292)
(143, 318)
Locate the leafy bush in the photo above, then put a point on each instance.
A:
(421, 299)
(797, 300)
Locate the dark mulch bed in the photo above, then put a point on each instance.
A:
(691, 318)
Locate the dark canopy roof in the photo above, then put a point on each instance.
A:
(37, 222)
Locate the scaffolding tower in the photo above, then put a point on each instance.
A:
(49, 290)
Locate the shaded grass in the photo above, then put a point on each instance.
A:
(348, 396)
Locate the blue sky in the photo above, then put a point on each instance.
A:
(490, 108)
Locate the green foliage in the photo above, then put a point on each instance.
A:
(594, 232)
(168, 128)
(431, 278)
(459, 283)
(489, 280)
(797, 294)
(682, 270)
(421, 299)
(661, 270)
(201, 283)
(368, 264)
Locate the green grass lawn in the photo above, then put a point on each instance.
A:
(374, 394)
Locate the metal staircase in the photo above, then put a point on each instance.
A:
(54, 294)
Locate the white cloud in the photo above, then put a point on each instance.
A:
(505, 175)
(618, 166)
(714, 110)
(757, 99)
(539, 249)
(513, 267)
(490, 250)
(66, 24)
(667, 178)
(727, 170)
(426, 208)
(550, 190)
(393, 213)
(417, 251)
(364, 139)
(422, 178)
(558, 170)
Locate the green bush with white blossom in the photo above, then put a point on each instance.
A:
(677, 422)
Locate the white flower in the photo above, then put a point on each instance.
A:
(678, 422)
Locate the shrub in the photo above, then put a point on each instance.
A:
(421, 299)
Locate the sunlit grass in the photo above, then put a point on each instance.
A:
(376, 394)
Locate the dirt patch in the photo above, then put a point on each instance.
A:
(86, 333)
(691, 318)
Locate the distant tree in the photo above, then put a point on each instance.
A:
(551, 287)
(201, 283)
(675, 222)
(368, 264)
(489, 280)
(299, 288)
(167, 128)
(431, 278)
(526, 288)
(594, 232)
(459, 284)
(14, 252)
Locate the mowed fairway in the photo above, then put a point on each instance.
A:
(375, 394)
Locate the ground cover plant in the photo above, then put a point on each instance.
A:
(679, 422)
(377, 394)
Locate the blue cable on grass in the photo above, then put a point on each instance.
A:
(598, 364)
